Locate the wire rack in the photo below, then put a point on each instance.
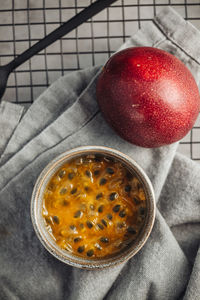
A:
(24, 22)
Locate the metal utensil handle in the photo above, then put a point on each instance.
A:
(68, 26)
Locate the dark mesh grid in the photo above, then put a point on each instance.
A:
(23, 22)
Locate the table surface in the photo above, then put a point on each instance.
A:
(24, 22)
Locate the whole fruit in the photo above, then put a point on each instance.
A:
(148, 96)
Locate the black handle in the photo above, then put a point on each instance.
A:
(68, 26)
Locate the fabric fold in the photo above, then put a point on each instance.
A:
(11, 115)
(193, 290)
(69, 122)
(155, 269)
(60, 96)
(185, 37)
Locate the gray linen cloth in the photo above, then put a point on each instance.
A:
(66, 115)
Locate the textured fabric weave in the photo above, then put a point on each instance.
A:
(66, 115)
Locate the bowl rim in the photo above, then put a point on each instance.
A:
(38, 220)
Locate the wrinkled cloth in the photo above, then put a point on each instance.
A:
(65, 116)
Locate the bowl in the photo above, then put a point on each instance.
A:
(40, 225)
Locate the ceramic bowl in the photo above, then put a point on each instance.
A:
(40, 226)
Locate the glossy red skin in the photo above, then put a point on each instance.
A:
(148, 96)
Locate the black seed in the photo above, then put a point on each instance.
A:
(56, 219)
(98, 158)
(104, 222)
(71, 175)
(108, 159)
(100, 226)
(88, 173)
(120, 225)
(86, 188)
(90, 252)
(129, 175)
(110, 171)
(109, 216)
(77, 214)
(65, 202)
(63, 191)
(96, 172)
(131, 230)
(116, 208)
(51, 186)
(62, 173)
(77, 239)
(89, 224)
(142, 211)
(122, 213)
(100, 209)
(104, 240)
(81, 225)
(98, 196)
(136, 200)
(102, 181)
(113, 196)
(127, 188)
(72, 227)
(73, 191)
(48, 220)
(81, 249)
(140, 218)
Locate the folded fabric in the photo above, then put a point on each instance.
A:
(66, 115)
